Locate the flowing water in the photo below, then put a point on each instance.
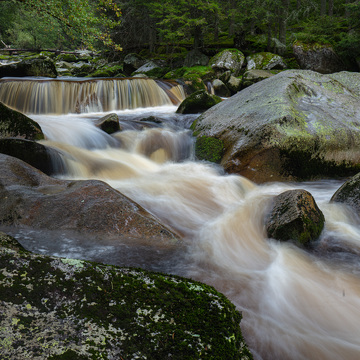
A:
(296, 304)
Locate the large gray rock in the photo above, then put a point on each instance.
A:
(229, 59)
(294, 125)
(295, 216)
(30, 67)
(317, 57)
(349, 193)
(16, 124)
(132, 62)
(31, 198)
(58, 308)
(109, 123)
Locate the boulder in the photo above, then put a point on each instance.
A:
(234, 84)
(220, 88)
(109, 123)
(195, 58)
(33, 153)
(295, 216)
(197, 102)
(295, 125)
(229, 59)
(317, 57)
(253, 76)
(29, 67)
(349, 193)
(60, 308)
(108, 70)
(151, 69)
(132, 62)
(265, 61)
(16, 124)
(31, 198)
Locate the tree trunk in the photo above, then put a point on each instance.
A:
(331, 8)
(283, 20)
(323, 8)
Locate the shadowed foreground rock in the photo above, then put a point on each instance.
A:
(198, 102)
(349, 193)
(56, 308)
(295, 216)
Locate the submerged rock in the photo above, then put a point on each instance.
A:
(295, 216)
(57, 308)
(16, 124)
(197, 102)
(31, 198)
(308, 128)
(349, 193)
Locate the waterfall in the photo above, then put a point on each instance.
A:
(49, 96)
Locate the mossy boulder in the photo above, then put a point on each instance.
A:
(265, 61)
(295, 216)
(84, 70)
(295, 125)
(109, 123)
(67, 57)
(109, 70)
(349, 193)
(29, 67)
(317, 57)
(16, 124)
(197, 102)
(152, 69)
(132, 62)
(229, 59)
(220, 88)
(59, 308)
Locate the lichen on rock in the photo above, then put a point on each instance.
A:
(57, 308)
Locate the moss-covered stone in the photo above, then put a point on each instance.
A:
(265, 61)
(16, 124)
(228, 59)
(349, 193)
(295, 216)
(198, 101)
(209, 149)
(54, 308)
(108, 71)
(30, 67)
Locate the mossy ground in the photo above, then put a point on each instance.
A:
(64, 308)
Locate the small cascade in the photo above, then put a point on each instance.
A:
(49, 96)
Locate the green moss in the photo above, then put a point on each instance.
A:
(210, 149)
(111, 71)
(93, 311)
(197, 102)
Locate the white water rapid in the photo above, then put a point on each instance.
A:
(296, 304)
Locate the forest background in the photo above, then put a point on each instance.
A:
(166, 28)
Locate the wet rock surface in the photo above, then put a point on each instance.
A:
(295, 216)
(30, 198)
(197, 102)
(308, 128)
(29, 67)
(349, 193)
(58, 308)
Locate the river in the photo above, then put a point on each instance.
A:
(296, 303)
